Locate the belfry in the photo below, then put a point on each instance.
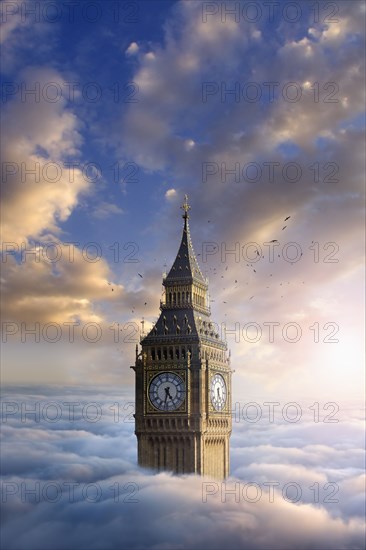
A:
(183, 377)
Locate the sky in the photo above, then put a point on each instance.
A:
(112, 111)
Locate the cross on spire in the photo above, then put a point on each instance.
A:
(185, 207)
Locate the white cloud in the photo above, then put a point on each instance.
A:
(176, 508)
(189, 144)
(132, 49)
(106, 209)
(170, 194)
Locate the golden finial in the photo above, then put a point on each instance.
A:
(185, 207)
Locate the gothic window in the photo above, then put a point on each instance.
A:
(183, 353)
(159, 354)
(177, 353)
(170, 298)
(174, 298)
(153, 354)
(170, 353)
(178, 298)
(165, 354)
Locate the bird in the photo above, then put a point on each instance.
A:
(145, 303)
(139, 274)
(257, 253)
(236, 281)
(254, 271)
(274, 241)
(288, 217)
(284, 227)
(251, 297)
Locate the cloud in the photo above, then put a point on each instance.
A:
(106, 209)
(39, 181)
(132, 49)
(171, 194)
(98, 458)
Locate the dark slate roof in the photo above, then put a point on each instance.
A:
(184, 323)
(185, 266)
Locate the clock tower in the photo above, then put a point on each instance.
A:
(183, 377)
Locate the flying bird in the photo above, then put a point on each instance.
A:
(284, 227)
(139, 274)
(274, 241)
(288, 217)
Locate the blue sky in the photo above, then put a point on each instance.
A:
(260, 120)
(288, 142)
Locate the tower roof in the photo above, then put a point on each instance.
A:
(185, 266)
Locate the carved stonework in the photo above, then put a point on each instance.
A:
(183, 379)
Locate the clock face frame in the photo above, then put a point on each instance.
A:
(218, 392)
(167, 391)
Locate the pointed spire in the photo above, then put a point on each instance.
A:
(185, 265)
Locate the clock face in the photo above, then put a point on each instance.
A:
(167, 391)
(218, 392)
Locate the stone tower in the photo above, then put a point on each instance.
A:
(183, 378)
